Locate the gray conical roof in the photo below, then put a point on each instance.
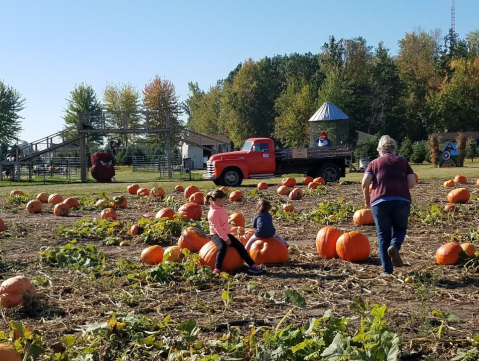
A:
(328, 111)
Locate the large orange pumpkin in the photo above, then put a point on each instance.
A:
(262, 186)
(460, 179)
(353, 246)
(157, 192)
(34, 206)
(14, 289)
(198, 198)
(119, 202)
(55, 198)
(133, 188)
(165, 213)
(2, 225)
(179, 188)
(363, 217)
(108, 213)
(459, 195)
(8, 353)
(173, 254)
(283, 190)
(448, 253)
(190, 190)
(326, 241)
(232, 260)
(237, 219)
(449, 183)
(242, 234)
(269, 250)
(72, 202)
(320, 180)
(469, 249)
(236, 196)
(142, 192)
(192, 238)
(16, 192)
(313, 185)
(288, 182)
(307, 180)
(190, 210)
(61, 210)
(296, 194)
(42, 197)
(152, 255)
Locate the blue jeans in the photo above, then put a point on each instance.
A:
(391, 223)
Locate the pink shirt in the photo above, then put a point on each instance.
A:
(218, 220)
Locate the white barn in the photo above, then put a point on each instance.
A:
(194, 147)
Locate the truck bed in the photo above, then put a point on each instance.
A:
(312, 153)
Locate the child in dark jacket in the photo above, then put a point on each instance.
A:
(263, 224)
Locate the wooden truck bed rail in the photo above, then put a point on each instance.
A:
(305, 153)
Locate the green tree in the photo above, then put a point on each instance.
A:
(11, 104)
(472, 40)
(125, 155)
(204, 110)
(471, 149)
(406, 149)
(419, 153)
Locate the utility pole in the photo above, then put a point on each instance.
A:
(453, 16)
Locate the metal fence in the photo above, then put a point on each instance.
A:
(180, 168)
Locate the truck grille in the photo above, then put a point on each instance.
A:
(210, 169)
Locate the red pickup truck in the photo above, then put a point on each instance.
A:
(258, 159)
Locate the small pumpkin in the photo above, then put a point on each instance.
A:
(179, 188)
(224, 189)
(283, 190)
(167, 213)
(459, 195)
(448, 253)
(72, 202)
(61, 210)
(449, 183)
(108, 213)
(152, 255)
(55, 198)
(237, 219)
(242, 234)
(296, 194)
(8, 353)
(142, 192)
(353, 246)
(192, 238)
(42, 197)
(320, 180)
(288, 182)
(450, 208)
(231, 262)
(198, 198)
(102, 203)
(189, 191)
(363, 217)
(416, 177)
(173, 254)
(468, 248)
(313, 185)
(460, 179)
(157, 192)
(262, 186)
(269, 250)
(190, 210)
(236, 196)
(149, 215)
(477, 183)
(136, 229)
(2, 225)
(34, 206)
(16, 192)
(119, 202)
(14, 289)
(287, 207)
(307, 180)
(326, 241)
(133, 188)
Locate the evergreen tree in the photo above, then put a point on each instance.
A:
(405, 150)
(471, 149)
(419, 152)
(11, 103)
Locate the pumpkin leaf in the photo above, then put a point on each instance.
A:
(295, 298)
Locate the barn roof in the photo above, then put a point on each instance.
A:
(453, 135)
(208, 139)
(327, 112)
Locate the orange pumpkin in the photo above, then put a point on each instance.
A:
(14, 289)
(173, 254)
(313, 185)
(236, 196)
(237, 219)
(102, 203)
(16, 192)
(232, 260)
(469, 249)
(133, 188)
(55, 198)
(459, 195)
(157, 192)
(288, 182)
(320, 180)
(152, 255)
(108, 213)
(119, 202)
(61, 210)
(149, 215)
(287, 207)
(165, 213)
(197, 197)
(460, 179)
(8, 353)
(179, 188)
(142, 192)
(136, 229)
(416, 177)
(307, 180)
(283, 190)
(363, 217)
(34, 206)
(224, 189)
(190, 210)
(450, 208)
(326, 241)
(269, 250)
(353, 246)
(42, 197)
(2, 225)
(72, 202)
(296, 194)
(189, 191)
(449, 183)
(192, 238)
(242, 234)
(448, 253)
(477, 183)
(262, 186)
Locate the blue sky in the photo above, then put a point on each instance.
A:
(49, 46)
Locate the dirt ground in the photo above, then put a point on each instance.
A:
(71, 300)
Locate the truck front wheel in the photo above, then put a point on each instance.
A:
(231, 177)
(330, 172)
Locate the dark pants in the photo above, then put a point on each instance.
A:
(391, 223)
(222, 248)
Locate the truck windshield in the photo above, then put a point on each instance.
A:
(247, 146)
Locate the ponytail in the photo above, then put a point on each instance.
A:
(216, 194)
